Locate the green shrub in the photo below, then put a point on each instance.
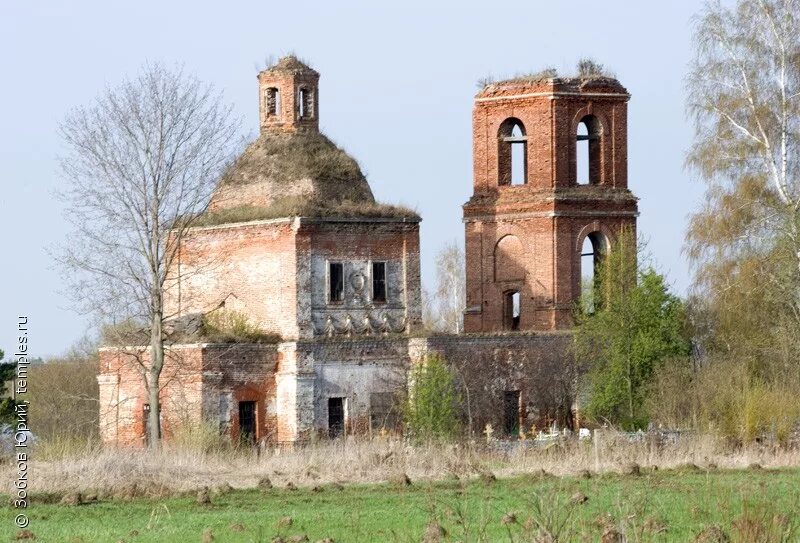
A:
(432, 408)
(743, 407)
(631, 327)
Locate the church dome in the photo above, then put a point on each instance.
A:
(280, 169)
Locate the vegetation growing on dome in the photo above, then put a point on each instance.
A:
(285, 158)
(302, 207)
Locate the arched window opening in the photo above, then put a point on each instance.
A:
(587, 151)
(592, 251)
(511, 309)
(512, 153)
(305, 103)
(272, 99)
(517, 156)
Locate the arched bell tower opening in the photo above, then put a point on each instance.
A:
(512, 153)
(588, 151)
(594, 248)
(525, 225)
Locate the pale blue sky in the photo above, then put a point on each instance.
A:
(396, 91)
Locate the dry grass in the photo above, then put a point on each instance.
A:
(365, 461)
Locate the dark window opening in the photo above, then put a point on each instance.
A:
(146, 423)
(512, 153)
(379, 281)
(592, 253)
(511, 412)
(273, 102)
(305, 103)
(511, 308)
(587, 151)
(383, 415)
(335, 417)
(336, 281)
(247, 421)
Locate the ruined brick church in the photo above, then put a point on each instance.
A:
(295, 242)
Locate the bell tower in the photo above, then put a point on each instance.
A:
(550, 172)
(289, 97)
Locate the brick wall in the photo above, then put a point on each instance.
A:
(123, 395)
(276, 273)
(291, 382)
(538, 366)
(240, 372)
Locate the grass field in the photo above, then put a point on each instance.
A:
(663, 505)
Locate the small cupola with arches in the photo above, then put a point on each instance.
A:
(289, 96)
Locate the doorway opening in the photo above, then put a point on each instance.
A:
(247, 422)
(335, 417)
(511, 412)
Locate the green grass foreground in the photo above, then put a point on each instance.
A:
(655, 506)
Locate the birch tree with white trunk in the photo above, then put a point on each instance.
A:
(743, 92)
(450, 289)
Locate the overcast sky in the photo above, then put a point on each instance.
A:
(396, 90)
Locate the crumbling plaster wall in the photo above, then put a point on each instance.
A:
(240, 372)
(355, 369)
(249, 266)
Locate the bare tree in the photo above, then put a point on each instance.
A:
(429, 313)
(141, 162)
(450, 289)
